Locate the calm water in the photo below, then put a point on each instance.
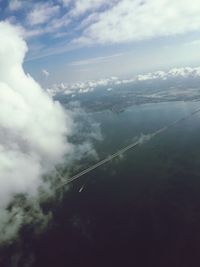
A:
(140, 210)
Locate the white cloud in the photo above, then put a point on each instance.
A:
(86, 22)
(133, 20)
(15, 5)
(53, 26)
(184, 72)
(81, 6)
(41, 13)
(65, 2)
(45, 73)
(33, 131)
(81, 87)
(89, 86)
(95, 60)
(58, 23)
(193, 43)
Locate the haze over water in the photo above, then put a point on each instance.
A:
(139, 210)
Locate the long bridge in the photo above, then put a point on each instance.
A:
(141, 140)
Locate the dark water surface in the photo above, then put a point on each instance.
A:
(140, 210)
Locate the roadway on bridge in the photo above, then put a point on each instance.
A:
(140, 141)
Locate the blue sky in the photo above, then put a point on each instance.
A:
(87, 39)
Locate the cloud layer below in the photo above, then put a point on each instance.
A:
(89, 86)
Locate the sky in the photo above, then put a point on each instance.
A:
(77, 40)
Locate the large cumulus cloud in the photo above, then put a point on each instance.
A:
(33, 130)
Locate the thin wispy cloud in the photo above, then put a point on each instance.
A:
(193, 43)
(107, 27)
(105, 22)
(15, 5)
(95, 60)
(42, 13)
